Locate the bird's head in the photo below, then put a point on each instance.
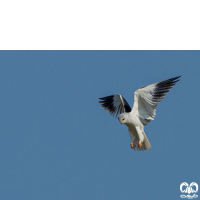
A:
(122, 118)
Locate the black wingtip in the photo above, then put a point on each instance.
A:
(177, 77)
(171, 81)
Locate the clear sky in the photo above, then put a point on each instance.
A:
(57, 143)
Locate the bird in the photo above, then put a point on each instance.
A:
(146, 100)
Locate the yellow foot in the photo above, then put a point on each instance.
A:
(139, 144)
(132, 145)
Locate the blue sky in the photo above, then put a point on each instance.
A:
(58, 143)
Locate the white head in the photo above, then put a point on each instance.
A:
(123, 118)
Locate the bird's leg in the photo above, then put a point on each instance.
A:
(139, 144)
(140, 135)
(132, 145)
(132, 136)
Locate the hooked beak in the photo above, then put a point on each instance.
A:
(122, 121)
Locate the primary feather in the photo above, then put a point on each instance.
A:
(147, 98)
(115, 104)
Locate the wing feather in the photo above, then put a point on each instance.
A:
(115, 104)
(147, 98)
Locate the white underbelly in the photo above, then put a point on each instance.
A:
(134, 122)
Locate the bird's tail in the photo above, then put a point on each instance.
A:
(146, 143)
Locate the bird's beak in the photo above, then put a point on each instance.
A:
(122, 121)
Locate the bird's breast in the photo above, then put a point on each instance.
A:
(133, 122)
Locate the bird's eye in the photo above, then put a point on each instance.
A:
(122, 119)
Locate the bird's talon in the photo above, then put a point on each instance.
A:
(132, 145)
(139, 144)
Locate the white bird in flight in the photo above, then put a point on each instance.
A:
(144, 110)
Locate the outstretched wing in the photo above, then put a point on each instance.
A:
(115, 104)
(147, 98)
